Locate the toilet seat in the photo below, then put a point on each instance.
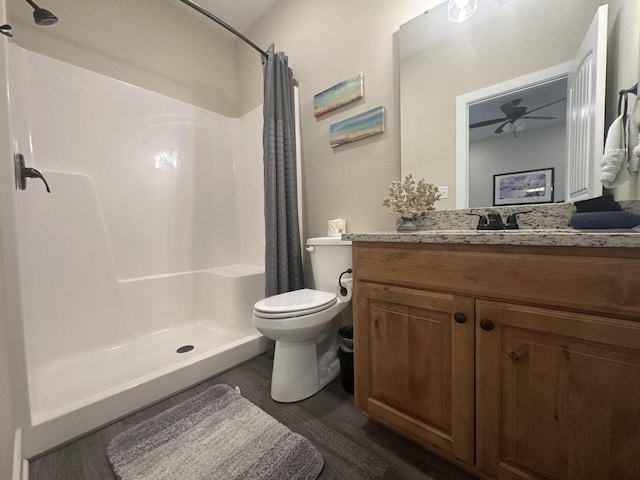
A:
(294, 304)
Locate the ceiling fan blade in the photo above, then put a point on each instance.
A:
(500, 129)
(487, 122)
(534, 117)
(508, 109)
(545, 106)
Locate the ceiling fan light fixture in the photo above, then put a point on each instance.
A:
(461, 10)
(519, 125)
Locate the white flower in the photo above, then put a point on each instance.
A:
(408, 198)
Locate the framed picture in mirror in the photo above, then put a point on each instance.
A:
(528, 186)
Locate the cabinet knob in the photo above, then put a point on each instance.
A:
(459, 317)
(486, 324)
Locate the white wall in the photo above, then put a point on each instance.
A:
(534, 148)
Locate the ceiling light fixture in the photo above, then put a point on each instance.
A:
(461, 10)
(514, 127)
(519, 125)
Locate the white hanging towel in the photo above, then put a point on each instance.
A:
(634, 161)
(614, 164)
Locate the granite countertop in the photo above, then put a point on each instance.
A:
(529, 237)
(540, 225)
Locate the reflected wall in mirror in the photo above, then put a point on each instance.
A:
(441, 61)
(519, 131)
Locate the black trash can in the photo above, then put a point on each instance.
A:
(345, 354)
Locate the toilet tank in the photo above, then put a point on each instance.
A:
(330, 256)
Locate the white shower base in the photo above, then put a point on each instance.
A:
(74, 394)
(123, 367)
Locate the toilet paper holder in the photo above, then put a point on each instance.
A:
(343, 289)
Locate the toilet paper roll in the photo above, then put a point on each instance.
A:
(348, 284)
(336, 227)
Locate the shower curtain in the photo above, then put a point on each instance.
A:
(283, 255)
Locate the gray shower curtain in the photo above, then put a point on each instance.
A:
(283, 255)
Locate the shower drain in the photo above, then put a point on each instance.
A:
(185, 348)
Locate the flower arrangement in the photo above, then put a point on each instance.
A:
(411, 198)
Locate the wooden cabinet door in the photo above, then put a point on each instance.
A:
(414, 364)
(558, 394)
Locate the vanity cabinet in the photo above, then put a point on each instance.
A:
(514, 362)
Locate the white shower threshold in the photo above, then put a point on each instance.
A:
(79, 393)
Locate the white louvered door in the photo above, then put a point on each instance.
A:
(585, 112)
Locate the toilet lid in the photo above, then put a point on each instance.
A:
(305, 300)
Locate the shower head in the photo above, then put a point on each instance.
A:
(41, 15)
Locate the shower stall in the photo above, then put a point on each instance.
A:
(140, 269)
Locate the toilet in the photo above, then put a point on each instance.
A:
(304, 323)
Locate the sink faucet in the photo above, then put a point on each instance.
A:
(482, 221)
(512, 220)
(494, 221)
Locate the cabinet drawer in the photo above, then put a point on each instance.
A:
(588, 279)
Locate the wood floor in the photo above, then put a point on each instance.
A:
(352, 446)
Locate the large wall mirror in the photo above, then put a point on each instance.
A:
(506, 70)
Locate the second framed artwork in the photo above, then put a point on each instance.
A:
(518, 188)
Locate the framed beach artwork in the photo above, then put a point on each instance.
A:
(338, 95)
(518, 188)
(357, 127)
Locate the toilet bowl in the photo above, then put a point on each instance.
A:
(304, 324)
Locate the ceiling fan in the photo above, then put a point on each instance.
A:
(514, 112)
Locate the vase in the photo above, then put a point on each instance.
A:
(407, 224)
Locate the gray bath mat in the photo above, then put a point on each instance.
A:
(217, 434)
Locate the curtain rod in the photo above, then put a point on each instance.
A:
(224, 24)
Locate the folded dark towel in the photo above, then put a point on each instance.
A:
(605, 203)
(604, 220)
